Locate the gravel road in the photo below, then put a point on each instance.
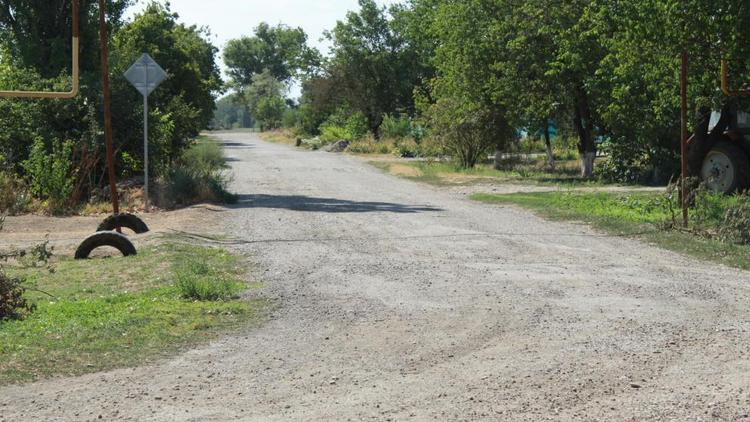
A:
(398, 301)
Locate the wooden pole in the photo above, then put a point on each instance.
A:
(684, 136)
(104, 56)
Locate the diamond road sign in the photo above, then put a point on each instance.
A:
(145, 75)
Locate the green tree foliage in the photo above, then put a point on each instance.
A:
(281, 50)
(231, 114)
(470, 112)
(373, 67)
(265, 100)
(35, 54)
(184, 104)
(38, 33)
(51, 174)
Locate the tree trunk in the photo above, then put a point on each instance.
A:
(548, 145)
(585, 128)
(498, 159)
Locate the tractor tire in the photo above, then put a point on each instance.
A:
(726, 168)
(128, 221)
(105, 238)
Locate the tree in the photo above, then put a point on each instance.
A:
(230, 114)
(265, 99)
(282, 50)
(184, 104)
(638, 79)
(373, 66)
(469, 61)
(37, 33)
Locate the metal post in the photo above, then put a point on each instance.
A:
(145, 148)
(684, 137)
(104, 57)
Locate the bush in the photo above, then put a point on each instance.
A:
(205, 158)
(14, 197)
(430, 147)
(735, 227)
(197, 281)
(369, 145)
(13, 305)
(467, 130)
(395, 127)
(343, 126)
(408, 148)
(709, 208)
(51, 175)
(198, 177)
(291, 118)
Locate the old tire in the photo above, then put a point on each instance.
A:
(726, 168)
(128, 221)
(105, 238)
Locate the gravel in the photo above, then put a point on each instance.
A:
(398, 301)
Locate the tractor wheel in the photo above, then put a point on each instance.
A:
(113, 239)
(726, 168)
(129, 221)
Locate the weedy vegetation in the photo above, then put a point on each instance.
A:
(99, 314)
(719, 228)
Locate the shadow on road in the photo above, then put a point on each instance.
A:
(236, 145)
(308, 204)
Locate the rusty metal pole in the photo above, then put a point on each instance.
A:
(104, 56)
(684, 136)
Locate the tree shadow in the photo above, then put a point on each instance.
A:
(328, 205)
(236, 145)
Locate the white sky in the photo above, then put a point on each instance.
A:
(230, 19)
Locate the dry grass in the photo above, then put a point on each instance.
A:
(280, 136)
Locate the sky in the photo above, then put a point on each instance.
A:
(230, 19)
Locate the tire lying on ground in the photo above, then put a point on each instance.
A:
(105, 238)
(128, 221)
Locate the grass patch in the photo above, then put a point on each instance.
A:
(111, 313)
(443, 173)
(645, 216)
(281, 136)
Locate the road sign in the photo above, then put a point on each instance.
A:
(145, 75)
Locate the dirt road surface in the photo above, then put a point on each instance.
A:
(397, 301)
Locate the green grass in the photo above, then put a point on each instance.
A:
(447, 173)
(644, 216)
(110, 313)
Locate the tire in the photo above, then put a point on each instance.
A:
(726, 168)
(105, 238)
(128, 221)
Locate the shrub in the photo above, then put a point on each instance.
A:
(51, 175)
(205, 158)
(198, 177)
(290, 118)
(14, 197)
(407, 148)
(197, 281)
(467, 130)
(332, 133)
(735, 227)
(343, 126)
(395, 127)
(430, 147)
(13, 305)
(369, 145)
(709, 208)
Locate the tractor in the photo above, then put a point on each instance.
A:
(719, 151)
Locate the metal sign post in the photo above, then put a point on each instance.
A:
(145, 75)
